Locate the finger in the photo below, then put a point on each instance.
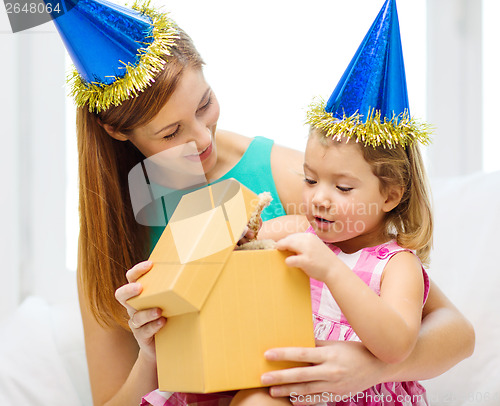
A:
(292, 242)
(125, 292)
(295, 261)
(138, 270)
(143, 317)
(148, 330)
(293, 376)
(310, 355)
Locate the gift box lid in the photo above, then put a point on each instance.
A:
(194, 247)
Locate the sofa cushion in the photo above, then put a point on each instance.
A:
(465, 265)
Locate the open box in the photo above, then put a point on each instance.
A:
(225, 308)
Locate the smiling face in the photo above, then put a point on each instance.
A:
(344, 201)
(181, 135)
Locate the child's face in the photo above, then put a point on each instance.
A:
(342, 195)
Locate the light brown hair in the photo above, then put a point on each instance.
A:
(410, 223)
(111, 241)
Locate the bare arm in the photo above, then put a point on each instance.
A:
(446, 337)
(388, 324)
(288, 174)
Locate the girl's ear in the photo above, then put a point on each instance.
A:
(393, 196)
(112, 132)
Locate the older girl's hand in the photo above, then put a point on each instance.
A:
(337, 369)
(144, 324)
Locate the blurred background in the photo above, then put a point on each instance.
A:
(265, 60)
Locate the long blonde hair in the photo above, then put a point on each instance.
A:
(111, 241)
(410, 223)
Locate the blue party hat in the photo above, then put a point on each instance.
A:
(370, 101)
(117, 51)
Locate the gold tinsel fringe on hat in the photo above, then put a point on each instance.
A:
(401, 129)
(99, 96)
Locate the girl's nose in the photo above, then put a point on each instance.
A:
(320, 199)
(201, 135)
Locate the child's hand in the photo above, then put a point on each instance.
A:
(312, 255)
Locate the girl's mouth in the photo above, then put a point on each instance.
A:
(200, 156)
(323, 224)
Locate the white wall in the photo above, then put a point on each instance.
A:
(9, 213)
(491, 85)
(32, 170)
(455, 86)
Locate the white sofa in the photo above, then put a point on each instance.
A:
(42, 360)
(465, 264)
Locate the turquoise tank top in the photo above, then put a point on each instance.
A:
(253, 170)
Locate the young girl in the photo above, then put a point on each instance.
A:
(371, 230)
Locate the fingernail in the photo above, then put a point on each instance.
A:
(266, 379)
(270, 355)
(147, 264)
(276, 391)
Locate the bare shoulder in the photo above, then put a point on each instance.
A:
(404, 260)
(287, 168)
(403, 266)
(282, 152)
(231, 142)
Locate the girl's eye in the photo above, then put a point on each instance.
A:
(171, 135)
(344, 188)
(206, 105)
(309, 181)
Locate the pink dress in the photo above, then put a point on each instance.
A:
(157, 398)
(330, 324)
